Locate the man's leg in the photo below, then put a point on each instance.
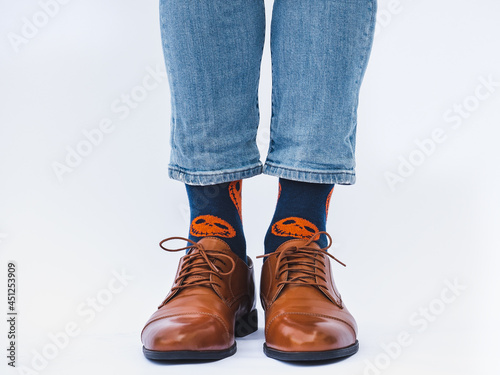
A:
(212, 51)
(319, 51)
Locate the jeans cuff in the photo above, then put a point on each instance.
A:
(213, 177)
(338, 177)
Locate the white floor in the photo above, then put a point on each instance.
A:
(422, 253)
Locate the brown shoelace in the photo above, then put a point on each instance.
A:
(192, 267)
(308, 267)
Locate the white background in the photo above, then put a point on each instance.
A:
(439, 224)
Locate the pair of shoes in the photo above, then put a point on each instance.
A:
(212, 301)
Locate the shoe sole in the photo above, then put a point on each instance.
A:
(179, 355)
(243, 327)
(311, 356)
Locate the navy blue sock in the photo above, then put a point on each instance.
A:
(301, 210)
(216, 212)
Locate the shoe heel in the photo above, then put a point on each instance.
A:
(247, 324)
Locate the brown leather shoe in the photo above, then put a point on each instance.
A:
(212, 301)
(305, 317)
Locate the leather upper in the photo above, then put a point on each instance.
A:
(304, 310)
(213, 287)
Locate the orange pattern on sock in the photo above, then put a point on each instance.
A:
(209, 225)
(294, 227)
(235, 194)
(327, 204)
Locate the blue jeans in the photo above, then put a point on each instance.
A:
(213, 51)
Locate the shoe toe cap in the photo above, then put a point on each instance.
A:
(308, 332)
(186, 332)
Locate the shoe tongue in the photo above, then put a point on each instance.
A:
(214, 243)
(300, 262)
(199, 263)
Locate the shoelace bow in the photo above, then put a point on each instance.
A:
(307, 268)
(202, 270)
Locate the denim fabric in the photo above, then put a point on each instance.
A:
(213, 51)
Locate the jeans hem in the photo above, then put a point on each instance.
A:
(338, 177)
(213, 177)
